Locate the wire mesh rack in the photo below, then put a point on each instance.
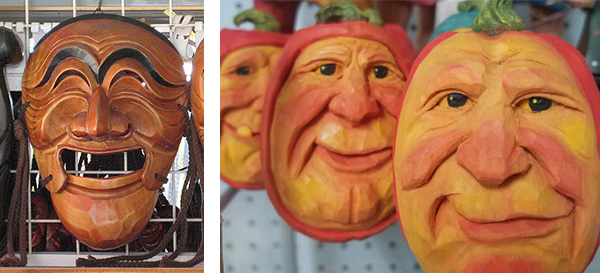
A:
(179, 20)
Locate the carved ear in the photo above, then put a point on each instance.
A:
(10, 47)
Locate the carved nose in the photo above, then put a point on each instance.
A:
(355, 103)
(99, 120)
(491, 155)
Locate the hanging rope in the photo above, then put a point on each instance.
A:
(18, 203)
(194, 174)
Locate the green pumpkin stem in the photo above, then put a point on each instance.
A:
(263, 21)
(497, 16)
(342, 11)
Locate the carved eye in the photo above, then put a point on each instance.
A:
(380, 72)
(456, 100)
(243, 71)
(70, 73)
(539, 104)
(124, 73)
(327, 69)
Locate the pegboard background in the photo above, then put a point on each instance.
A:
(256, 239)
(32, 19)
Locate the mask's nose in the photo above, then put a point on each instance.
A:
(99, 120)
(354, 103)
(491, 155)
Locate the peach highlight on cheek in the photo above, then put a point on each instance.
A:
(556, 159)
(426, 157)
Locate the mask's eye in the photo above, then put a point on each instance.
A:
(327, 69)
(380, 72)
(536, 104)
(243, 71)
(454, 100)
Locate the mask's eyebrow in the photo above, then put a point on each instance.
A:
(67, 53)
(130, 53)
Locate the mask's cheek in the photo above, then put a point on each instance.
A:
(52, 120)
(297, 108)
(245, 117)
(236, 95)
(159, 124)
(388, 95)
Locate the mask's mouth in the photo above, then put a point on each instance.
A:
(102, 165)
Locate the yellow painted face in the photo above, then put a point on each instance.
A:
(244, 77)
(496, 163)
(332, 133)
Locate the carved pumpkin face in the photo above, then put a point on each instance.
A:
(244, 77)
(496, 160)
(247, 61)
(330, 129)
(197, 93)
(104, 85)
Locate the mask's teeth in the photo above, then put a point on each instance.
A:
(244, 131)
(81, 167)
(102, 165)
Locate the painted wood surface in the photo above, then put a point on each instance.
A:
(104, 84)
(496, 158)
(247, 61)
(328, 128)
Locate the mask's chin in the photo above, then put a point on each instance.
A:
(104, 203)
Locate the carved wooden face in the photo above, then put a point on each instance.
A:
(496, 159)
(197, 93)
(102, 86)
(332, 134)
(245, 74)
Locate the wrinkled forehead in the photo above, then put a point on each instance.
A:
(344, 49)
(99, 43)
(503, 50)
(260, 55)
(518, 61)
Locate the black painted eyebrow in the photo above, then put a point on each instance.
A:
(70, 73)
(130, 53)
(68, 53)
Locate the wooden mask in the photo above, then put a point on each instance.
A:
(197, 92)
(104, 85)
(496, 157)
(247, 61)
(328, 128)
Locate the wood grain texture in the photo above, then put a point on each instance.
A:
(103, 84)
(197, 92)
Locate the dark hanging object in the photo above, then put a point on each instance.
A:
(10, 53)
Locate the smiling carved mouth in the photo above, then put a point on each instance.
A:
(242, 132)
(490, 231)
(102, 165)
(353, 162)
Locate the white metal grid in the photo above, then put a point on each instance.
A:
(29, 32)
